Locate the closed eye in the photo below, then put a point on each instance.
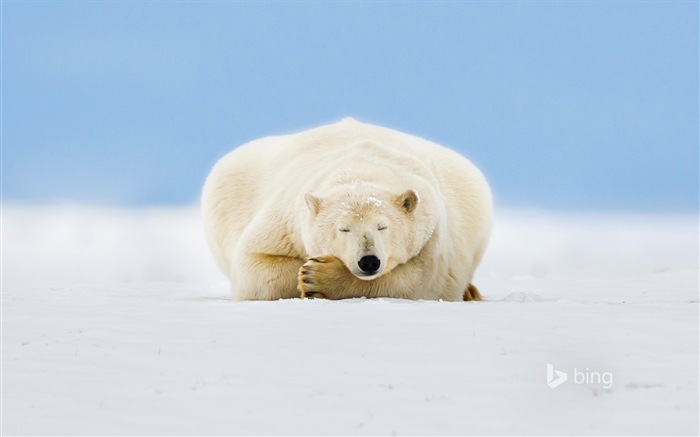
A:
(344, 230)
(381, 227)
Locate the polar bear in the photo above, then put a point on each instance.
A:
(347, 210)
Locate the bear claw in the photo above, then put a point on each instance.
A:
(313, 295)
(312, 277)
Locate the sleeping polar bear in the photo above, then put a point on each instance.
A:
(347, 210)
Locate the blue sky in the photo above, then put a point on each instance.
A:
(564, 105)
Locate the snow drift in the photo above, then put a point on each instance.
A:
(115, 321)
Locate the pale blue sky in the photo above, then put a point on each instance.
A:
(564, 105)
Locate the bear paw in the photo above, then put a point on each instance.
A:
(319, 277)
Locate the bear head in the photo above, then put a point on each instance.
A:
(370, 229)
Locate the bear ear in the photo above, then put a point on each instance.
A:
(408, 201)
(313, 202)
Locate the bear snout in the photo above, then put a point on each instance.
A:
(368, 241)
(369, 264)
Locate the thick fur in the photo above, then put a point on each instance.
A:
(294, 215)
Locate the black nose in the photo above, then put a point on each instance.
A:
(369, 264)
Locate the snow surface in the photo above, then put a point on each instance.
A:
(116, 322)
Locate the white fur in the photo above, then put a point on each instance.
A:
(272, 203)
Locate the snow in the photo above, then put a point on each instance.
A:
(115, 321)
(371, 200)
